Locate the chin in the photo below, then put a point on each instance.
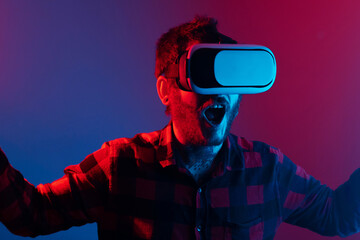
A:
(216, 135)
(215, 139)
(214, 142)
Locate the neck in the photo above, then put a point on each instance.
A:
(193, 155)
(198, 159)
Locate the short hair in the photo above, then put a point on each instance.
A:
(174, 42)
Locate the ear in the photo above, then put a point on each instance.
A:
(163, 89)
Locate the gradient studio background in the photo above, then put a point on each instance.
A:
(74, 74)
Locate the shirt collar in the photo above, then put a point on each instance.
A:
(235, 158)
(232, 154)
(164, 153)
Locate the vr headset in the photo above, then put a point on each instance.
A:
(224, 69)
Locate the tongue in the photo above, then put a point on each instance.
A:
(215, 115)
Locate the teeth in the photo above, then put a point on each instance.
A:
(217, 106)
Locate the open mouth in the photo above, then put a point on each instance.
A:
(214, 114)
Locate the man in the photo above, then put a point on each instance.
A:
(191, 180)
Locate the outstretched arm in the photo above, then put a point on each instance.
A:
(308, 203)
(73, 200)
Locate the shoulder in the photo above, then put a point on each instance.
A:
(141, 139)
(141, 146)
(112, 151)
(260, 154)
(256, 152)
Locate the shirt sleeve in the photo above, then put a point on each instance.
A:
(75, 199)
(307, 203)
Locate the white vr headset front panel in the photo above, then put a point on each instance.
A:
(237, 69)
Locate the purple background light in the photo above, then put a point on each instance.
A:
(74, 74)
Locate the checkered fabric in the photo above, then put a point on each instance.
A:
(135, 189)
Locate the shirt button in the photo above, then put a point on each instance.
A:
(198, 228)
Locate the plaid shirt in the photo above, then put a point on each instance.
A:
(135, 189)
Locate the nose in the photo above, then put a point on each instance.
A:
(215, 98)
(220, 98)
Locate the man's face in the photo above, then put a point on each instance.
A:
(202, 120)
